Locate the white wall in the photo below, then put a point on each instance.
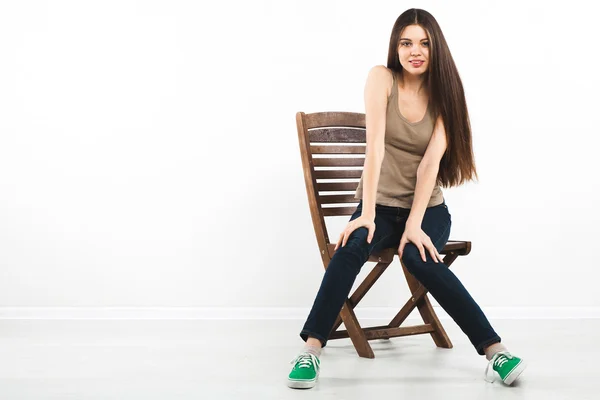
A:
(149, 155)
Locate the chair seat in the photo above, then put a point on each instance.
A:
(387, 255)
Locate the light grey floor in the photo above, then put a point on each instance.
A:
(193, 359)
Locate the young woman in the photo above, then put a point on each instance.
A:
(418, 139)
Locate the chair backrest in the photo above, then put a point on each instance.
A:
(327, 139)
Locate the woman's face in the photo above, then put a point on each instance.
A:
(414, 47)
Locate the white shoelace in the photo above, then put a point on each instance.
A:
(305, 360)
(498, 359)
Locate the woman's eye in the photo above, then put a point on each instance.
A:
(408, 43)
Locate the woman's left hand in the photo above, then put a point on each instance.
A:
(420, 239)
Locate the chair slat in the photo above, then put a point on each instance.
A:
(337, 186)
(337, 211)
(335, 118)
(337, 135)
(385, 332)
(338, 198)
(318, 149)
(338, 174)
(338, 162)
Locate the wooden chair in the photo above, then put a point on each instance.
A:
(336, 133)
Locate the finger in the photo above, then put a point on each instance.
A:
(433, 252)
(341, 240)
(422, 251)
(338, 242)
(401, 248)
(439, 256)
(346, 234)
(431, 249)
(371, 232)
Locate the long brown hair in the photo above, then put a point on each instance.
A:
(446, 96)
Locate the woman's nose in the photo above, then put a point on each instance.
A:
(416, 51)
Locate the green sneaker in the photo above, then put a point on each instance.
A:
(507, 366)
(305, 373)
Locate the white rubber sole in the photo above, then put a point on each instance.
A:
(514, 374)
(304, 384)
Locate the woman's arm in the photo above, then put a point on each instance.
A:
(376, 94)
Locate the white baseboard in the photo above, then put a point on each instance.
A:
(211, 313)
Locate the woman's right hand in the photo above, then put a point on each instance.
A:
(367, 222)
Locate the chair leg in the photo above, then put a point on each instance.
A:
(440, 337)
(364, 287)
(356, 333)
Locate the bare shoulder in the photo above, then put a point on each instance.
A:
(380, 79)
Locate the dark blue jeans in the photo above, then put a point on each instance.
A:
(439, 280)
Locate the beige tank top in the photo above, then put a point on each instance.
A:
(405, 145)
